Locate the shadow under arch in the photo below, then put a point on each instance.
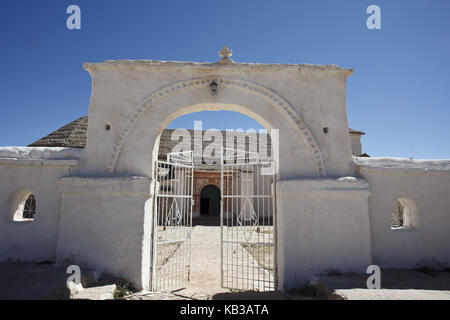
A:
(159, 104)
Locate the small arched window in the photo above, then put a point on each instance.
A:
(25, 208)
(404, 214)
(29, 209)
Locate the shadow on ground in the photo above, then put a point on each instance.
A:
(250, 295)
(39, 281)
(425, 279)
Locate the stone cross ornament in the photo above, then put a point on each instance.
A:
(225, 54)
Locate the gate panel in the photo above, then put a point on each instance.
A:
(172, 225)
(248, 227)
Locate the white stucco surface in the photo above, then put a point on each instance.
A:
(105, 225)
(34, 170)
(427, 184)
(139, 99)
(355, 140)
(324, 224)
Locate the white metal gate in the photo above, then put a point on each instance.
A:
(172, 227)
(248, 221)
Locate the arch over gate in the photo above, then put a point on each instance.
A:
(237, 84)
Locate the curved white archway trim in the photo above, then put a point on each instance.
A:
(240, 84)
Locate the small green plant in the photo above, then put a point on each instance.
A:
(123, 288)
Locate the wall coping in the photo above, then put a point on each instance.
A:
(403, 165)
(106, 185)
(39, 162)
(40, 153)
(344, 186)
(145, 64)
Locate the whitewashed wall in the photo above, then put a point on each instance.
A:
(355, 140)
(324, 225)
(427, 183)
(106, 224)
(33, 170)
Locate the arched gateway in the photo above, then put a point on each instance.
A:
(111, 199)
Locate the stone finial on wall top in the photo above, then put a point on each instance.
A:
(225, 54)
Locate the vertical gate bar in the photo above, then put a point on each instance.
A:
(249, 227)
(231, 243)
(274, 222)
(176, 265)
(221, 219)
(256, 168)
(237, 244)
(190, 229)
(154, 218)
(179, 226)
(181, 265)
(184, 223)
(165, 228)
(228, 217)
(266, 276)
(172, 230)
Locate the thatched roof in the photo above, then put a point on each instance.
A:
(72, 135)
(353, 131)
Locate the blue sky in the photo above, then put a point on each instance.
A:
(399, 94)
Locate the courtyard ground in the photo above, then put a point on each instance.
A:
(19, 280)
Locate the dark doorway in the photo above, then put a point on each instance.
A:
(210, 201)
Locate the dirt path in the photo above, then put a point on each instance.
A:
(205, 259)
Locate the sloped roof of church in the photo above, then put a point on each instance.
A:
(353, 131)
(72, 135)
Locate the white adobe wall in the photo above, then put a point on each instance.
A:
(427, 183)
(34, 170)
(324, 225)
(105, 225)
(355, 140)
